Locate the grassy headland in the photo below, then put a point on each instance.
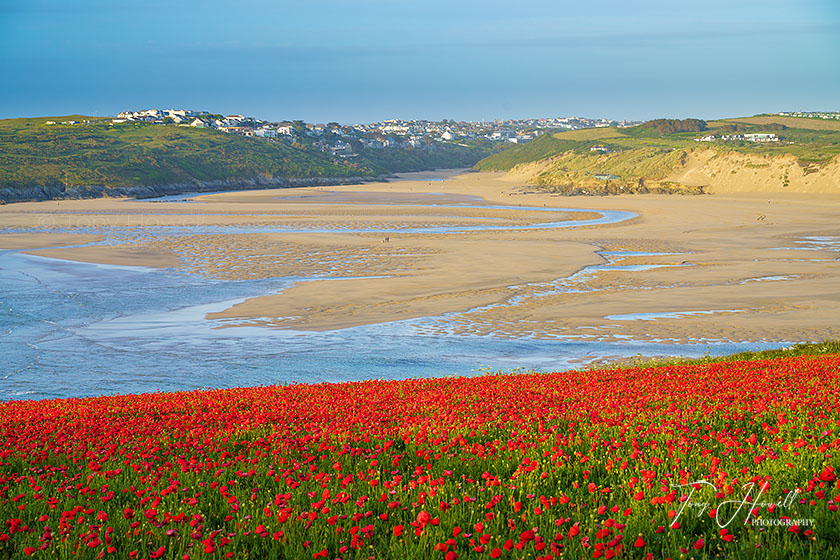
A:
(100, 158)
(662, 157)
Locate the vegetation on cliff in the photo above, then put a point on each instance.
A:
(140, 154)
(642, 158)
(672, 126)
(136, 154)
(628, 172)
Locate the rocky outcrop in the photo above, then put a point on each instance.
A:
(61, 192)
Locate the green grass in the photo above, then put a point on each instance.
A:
(137, 154)
(792, 122)
(131, 154)
(631, 165)
(644, 153)
(444, 156)
(809, 146)
(643, 157)
(542, 147)
(599, 133)
(824, 348)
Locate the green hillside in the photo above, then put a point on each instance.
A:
(812, 141)
(143, 154)
(69, 159)
(633, 159)
(541, 147)
(402, 160)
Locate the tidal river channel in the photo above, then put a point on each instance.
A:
(73, 329)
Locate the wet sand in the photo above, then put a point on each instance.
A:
(739, 266)
(20, 241)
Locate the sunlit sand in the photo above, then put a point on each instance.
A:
(692, 261)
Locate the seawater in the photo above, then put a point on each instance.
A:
(71, 329)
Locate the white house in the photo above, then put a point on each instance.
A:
(395, 129)
(761, 137)
(373, 143)
(342, 149)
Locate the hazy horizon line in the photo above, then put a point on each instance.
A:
(419, 118)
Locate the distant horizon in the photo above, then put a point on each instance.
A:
(324, 121)
(324, 60)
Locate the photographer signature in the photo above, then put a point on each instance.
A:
(787, 502)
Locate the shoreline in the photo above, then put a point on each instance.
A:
(156, 337)
(46, 193)
(744, 252)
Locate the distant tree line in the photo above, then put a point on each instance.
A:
(670, 126)
(733, 128)
(744, 128)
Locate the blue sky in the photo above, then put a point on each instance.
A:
(367, 60)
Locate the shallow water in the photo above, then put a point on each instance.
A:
(607, 217)
(72, 329)
(667, 315)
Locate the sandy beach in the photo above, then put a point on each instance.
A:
(739, 267)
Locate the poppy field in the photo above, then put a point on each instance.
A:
(736, 459)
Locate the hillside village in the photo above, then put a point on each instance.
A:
(825, 115)
(755, 137)
(346, 140)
